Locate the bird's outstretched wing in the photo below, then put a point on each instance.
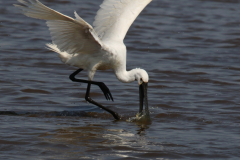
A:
(70, 35)
(116, 16)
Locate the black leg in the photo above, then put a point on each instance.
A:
(103, 87)
(89, 99)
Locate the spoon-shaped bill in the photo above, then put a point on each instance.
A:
(143, 99)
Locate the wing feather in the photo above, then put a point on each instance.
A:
(70, 35)
(114, 17)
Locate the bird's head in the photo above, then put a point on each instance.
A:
(141, 76)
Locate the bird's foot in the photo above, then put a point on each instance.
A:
(105, 90)
(114, 114)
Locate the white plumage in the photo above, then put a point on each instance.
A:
(101, 48)
(116, 16)
(78, 44)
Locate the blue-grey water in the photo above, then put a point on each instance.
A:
(191, 51)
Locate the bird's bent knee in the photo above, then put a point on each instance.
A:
(71, 77)
(88, 99)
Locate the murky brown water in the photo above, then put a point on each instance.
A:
(191, 50)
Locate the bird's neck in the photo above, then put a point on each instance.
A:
(125, 76)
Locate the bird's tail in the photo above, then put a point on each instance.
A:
(63, 55)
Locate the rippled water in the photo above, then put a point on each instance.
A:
(190, 48)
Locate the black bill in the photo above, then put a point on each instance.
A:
(143, 99)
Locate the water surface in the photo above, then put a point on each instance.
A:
(190, 48)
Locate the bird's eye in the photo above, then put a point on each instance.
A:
(141, 79)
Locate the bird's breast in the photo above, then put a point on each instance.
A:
(111, 61)
(114, 56)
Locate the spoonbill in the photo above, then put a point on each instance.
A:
(79, 44)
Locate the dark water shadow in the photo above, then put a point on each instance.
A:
(51, 114)
(75, 113)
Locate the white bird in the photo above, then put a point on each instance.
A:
(79, 44)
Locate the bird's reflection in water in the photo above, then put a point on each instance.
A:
(93, 135)
(142, 129)
(80, 134)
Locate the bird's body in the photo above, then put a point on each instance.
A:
(106, 58)
(79, 44)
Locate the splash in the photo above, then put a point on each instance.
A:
(141, 118)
